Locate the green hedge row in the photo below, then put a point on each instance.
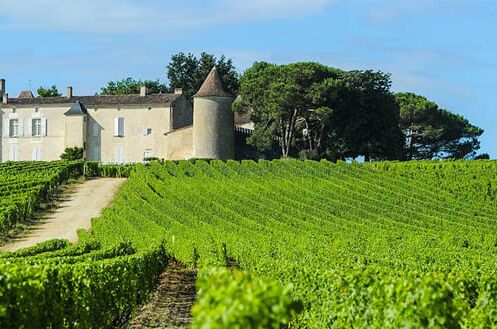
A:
(25, 191)
(82, 295)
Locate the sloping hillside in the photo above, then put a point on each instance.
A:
(384, 245)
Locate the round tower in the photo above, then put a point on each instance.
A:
(213, 121)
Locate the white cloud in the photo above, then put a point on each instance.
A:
(118, 16)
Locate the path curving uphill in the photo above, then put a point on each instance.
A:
(84, 203)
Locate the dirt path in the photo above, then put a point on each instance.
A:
(170, 305)
(75, 211)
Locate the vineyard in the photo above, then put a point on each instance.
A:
(24, 185)
(377, 245)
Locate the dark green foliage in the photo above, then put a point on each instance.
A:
(189, 72)
(132, 86)
(246, 151)
(72, 154)
(320, 112)
(48, 92)
(365, 117)
(432, 132)
(483, 156)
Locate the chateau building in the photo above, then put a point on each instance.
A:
(119, 128)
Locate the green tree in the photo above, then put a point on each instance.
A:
(189, 72)
(483, 156)
(280, 96)
(434, 133)
(365, 118)
(131, 86)
(48, 92)
(321, 112)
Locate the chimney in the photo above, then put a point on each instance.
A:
(69, 92)
(143, 91)
(2, 87)
(5, 98)
(178, 91)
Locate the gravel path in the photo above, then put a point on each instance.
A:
(76, 211)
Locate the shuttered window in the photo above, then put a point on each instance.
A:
(119, 127)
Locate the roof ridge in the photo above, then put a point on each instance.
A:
(122, 99)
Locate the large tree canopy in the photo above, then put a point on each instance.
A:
(48, 92)
(189, 72)
(434, 133)
(319, 111)
(132, 86)
(280, 96)
(364, 120)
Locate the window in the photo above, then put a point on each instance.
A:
(147, 154)
(36, 129)
(119, 154)
(14, 153)
(36, 153)
(119, 127)
(13, 127)
(147, 131)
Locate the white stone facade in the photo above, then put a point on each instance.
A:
(119, 128)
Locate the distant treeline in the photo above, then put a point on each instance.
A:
(309, 110)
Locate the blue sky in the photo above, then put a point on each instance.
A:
(445, 50)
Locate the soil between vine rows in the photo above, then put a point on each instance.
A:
(171, 303)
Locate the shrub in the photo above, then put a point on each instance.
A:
(72, 153)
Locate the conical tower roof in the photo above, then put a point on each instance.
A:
(212, 86)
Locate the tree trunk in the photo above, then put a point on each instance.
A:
(410, 152)
(288, 134)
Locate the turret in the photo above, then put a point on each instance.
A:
(213, 127)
